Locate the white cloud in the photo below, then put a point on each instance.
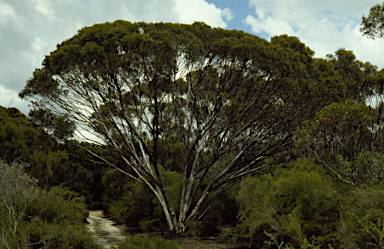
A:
(227, 14)
(6, 10)
(278, 26)
(324, 26)
(7, 13)
(199, 10)
(44, 8)
(30, 29)
(10, 98)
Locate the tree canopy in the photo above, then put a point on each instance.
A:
(211, 104)
(372, 25)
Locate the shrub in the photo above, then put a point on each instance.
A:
(53, 219)
(363, 218)
(60, 235)
(296, 203)
(116, 210)
(57, 205)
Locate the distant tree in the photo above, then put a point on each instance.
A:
(59, 128)
(340, 131)
(17, 190)
(358, 77)
(210, 103)
(372, 25)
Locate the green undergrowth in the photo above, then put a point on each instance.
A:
(146, 243)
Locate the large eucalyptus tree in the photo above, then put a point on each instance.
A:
(229, 100)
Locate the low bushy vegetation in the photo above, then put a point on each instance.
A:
(293, 203)
(298, 206)
(146, 243)
(34, 218)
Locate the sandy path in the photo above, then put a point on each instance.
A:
(104, 230)
(108, 234)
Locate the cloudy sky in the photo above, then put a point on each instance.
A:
(30, 29)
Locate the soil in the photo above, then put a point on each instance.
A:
(108, 233)
(104, 230)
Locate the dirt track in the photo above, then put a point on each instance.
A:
(106, 233)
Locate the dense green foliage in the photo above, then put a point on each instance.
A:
(35, 218)
(50, 162)
(296, 202)
(146, 243)
(373, 24)
(299, 204)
